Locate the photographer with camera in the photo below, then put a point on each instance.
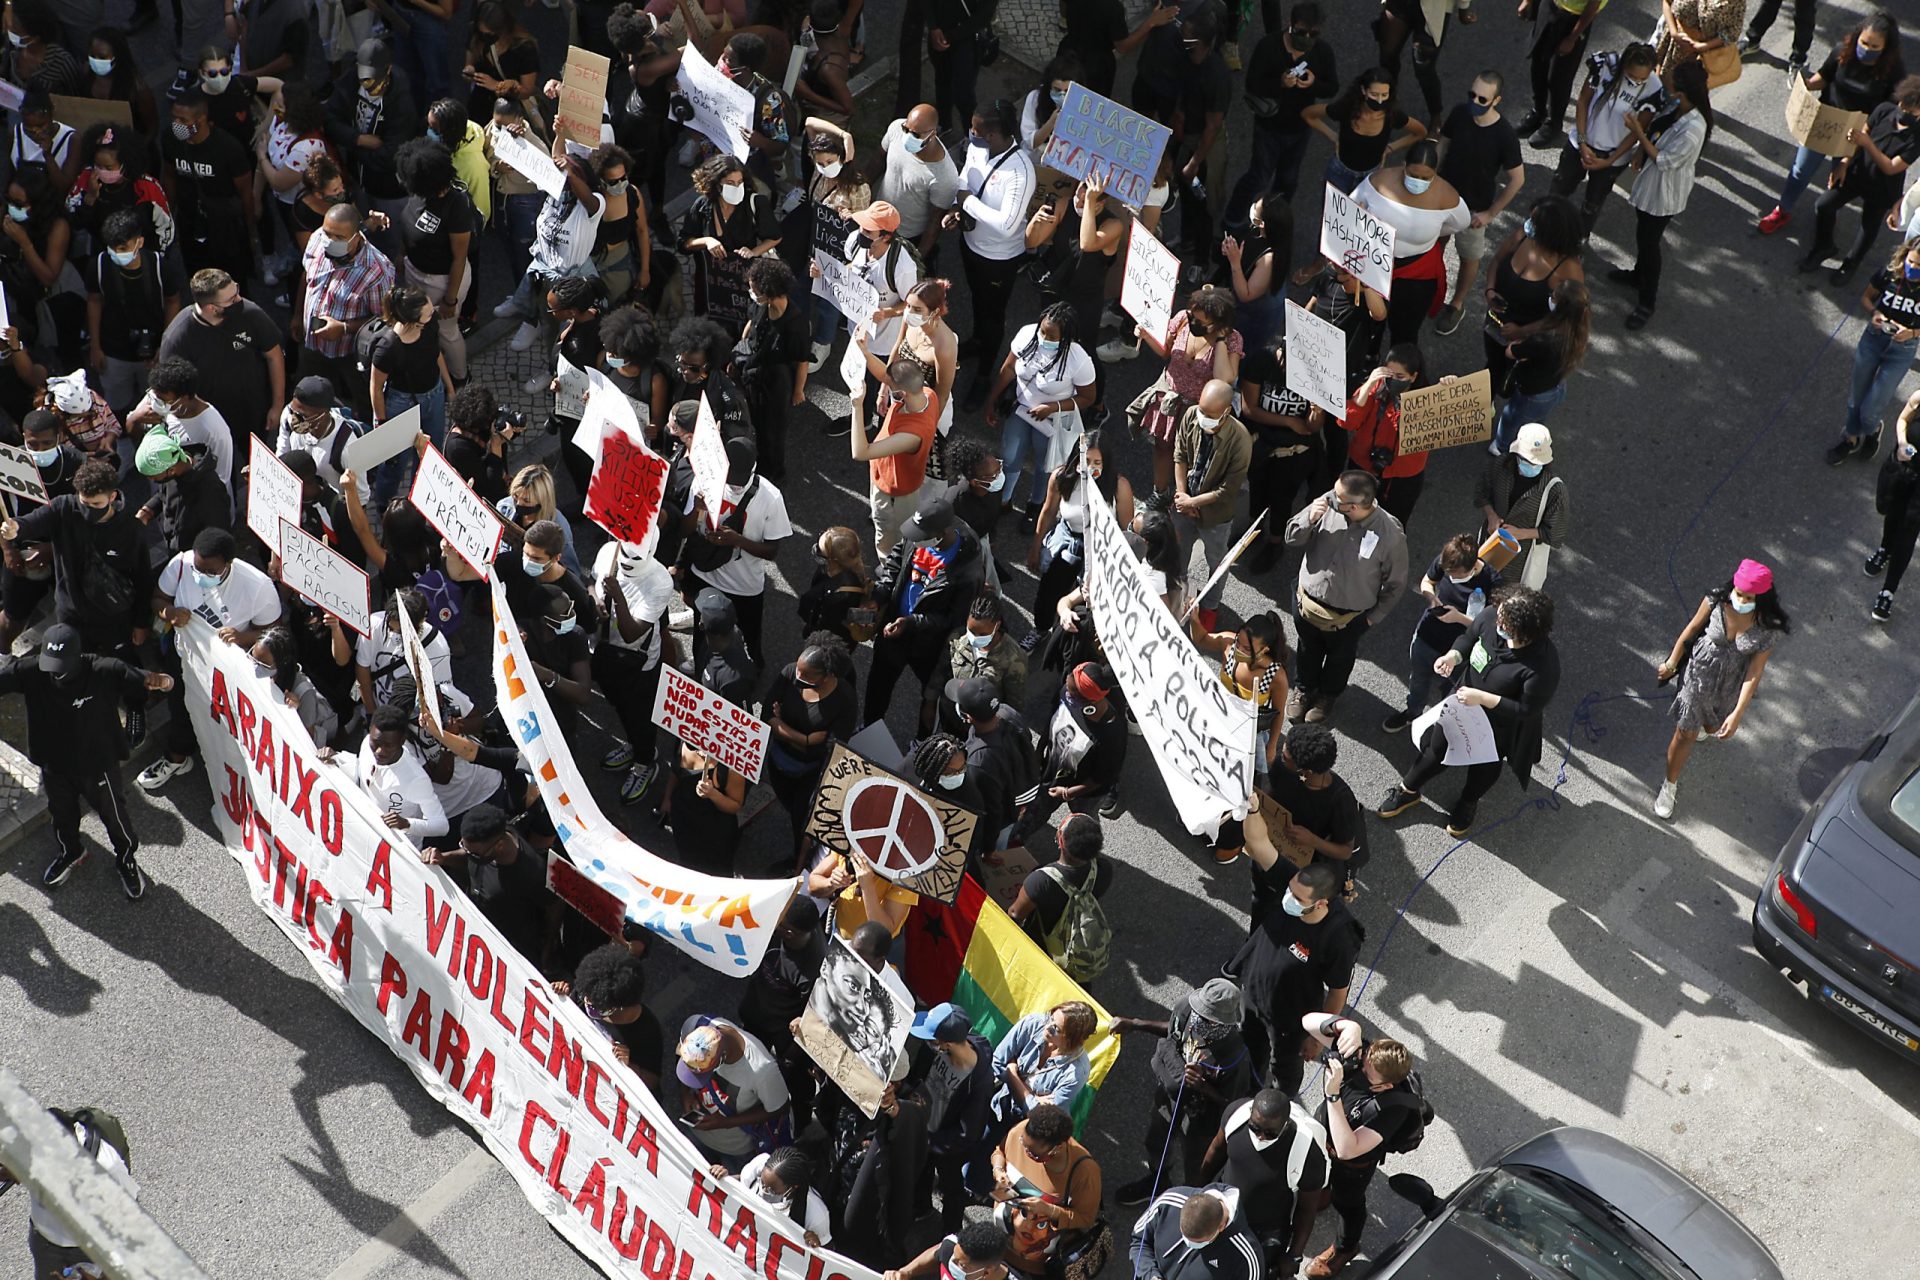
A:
(1375, 1106)
(1373, 430)
(133, 293)
(478, 430)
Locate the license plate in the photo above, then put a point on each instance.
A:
(1871, 1018)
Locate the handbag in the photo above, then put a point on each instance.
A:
(1893, 487)
(1722, 64)
(1153, 412)
(1534, 572)
(1088, 1256)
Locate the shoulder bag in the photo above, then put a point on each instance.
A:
(1534, 572)
(1088, 1254)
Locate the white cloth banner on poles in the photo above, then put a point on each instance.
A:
(400, 947)
(721, 108)
(1201, 735)
(724, 923)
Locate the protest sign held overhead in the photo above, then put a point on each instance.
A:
(462, 517)
(1095, 134)
(273, 493)
(583, 96)
(1316, 359)
(1356, 241)
(629, 479)
(324, 576)
(20, 476)
(528, 159)
(728, 735)
(855, 1025)
(1201, 735)
(1452, 413)
(722, 110)
(911, 837)
(1152, 277)
(708, 457)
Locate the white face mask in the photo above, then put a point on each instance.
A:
(831, 169)
(1157, 196)
(1208, 425)
(952, 781)
(980, 641)
(1292, 905)
(734, 492)
(733, 192)
(915, 319)
(1260, 1143)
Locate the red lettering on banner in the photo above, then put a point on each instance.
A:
(619, 1115)
(217, 708)
(480, 957)
(647, 1138)
(263, 754)
(701, 1195)
(595, 1074)
(251, 838)
(393, 981)
(282, 859)
(744, 1238)
(658, 1261)
(559, 1164)
(302, 805)
(340, 946)
(500, 994)
(297, 910)
(533, 1024)
(380, 876)
(418, 1028)
(438, 911)
(235, 800)
(450, 1053)
(246, 721)
(332, 821)
(459, 941)
(479, 1090)
(628, 1243)
(534, 1114)
(592, 1197)
(778, 1244)
(316, 893)
(567, 1054)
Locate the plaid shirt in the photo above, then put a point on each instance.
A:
(348, 290)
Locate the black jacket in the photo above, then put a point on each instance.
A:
(1525, 679)
(194, 500)
(86, 553)
(964, 1126)
(74, 729)
(1159, 1250)
(398, 123)
(942, 607)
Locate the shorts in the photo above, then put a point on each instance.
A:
(1471, 244)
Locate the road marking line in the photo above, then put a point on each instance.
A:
(384, 1248)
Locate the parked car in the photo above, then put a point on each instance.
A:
(1840, 911)
(1572, 1204)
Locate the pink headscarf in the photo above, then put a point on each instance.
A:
(1752, 578)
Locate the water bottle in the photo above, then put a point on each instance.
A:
(1476, 602)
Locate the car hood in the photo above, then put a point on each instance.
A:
(1711, 1241)
(1858, 873)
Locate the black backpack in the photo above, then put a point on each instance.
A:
(370, 332)
(707, 556)
(1410, 1138)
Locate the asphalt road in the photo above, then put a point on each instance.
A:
(1576, 961)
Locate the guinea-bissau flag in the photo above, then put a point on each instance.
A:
(973, 954)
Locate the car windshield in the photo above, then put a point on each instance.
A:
(1528, 1215)
(1906, 803)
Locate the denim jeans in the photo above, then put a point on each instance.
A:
(425, 53)
(826, 320)
(1420, 659)
(396, 475)
(1521, 409)
(1021, 442)
(1878, 365)
(1338, 175)
(521, 220)
(1800, 174)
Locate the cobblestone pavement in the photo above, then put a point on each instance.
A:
(1030, 29)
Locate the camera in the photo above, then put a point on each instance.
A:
(1379, 459)
(143, 342)
(509, 422)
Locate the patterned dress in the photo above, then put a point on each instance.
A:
(1711, 686)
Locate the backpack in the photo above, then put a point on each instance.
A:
(1409, 1139)
(444, 601)
(1081, 940)
(899, 245)
(370, 332)
(102, 1126)
(707, 556)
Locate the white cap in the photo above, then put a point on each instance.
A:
(1534, 444)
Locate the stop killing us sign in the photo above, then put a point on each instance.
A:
(912, 838)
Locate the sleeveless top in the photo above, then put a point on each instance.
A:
(1261, 692)
(1523, 301)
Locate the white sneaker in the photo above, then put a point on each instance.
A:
(1117, 349)
(1664, 802)
(161, 772)
(1493, 447)
(821, 350)
(536, 384)
(523, 337)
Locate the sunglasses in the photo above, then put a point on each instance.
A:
(1479, 100)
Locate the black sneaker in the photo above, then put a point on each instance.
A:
(136, 727)
(1529, 122)
(1840, 450)
(1882, 611)
(1397, 801)
(1844, 272)
(1139, 1191)
(1111, 808)
(1398, 721)
(1876, 563)
(1623, 276)
(132, 878)
(1869, 446)
(62, 866)
(1460, 821)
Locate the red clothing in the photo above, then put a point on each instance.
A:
(1431, 265)
(1370, 427)
(903, 473)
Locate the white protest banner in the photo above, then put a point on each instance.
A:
(1152, 277)
(1468, 732)
(1316, 359)
(414, 650)
(450, 505)
(722, 110)
(724, 923)
(849, 290)
(1457, 411)
(1355, 240)
(1201, 735)
(728, 735)
(401, 948)
(708, 456)
(324, 576)
(273, 493)
(388, 440)
(20, 475)
(1819, 127)
(526, 158)
(1096, 135)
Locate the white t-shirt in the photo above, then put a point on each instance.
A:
(323, 449)
(998, 190)
(209, 430)
(921, 191)
(746, 575)
(563, 234)
(649, 594)
(245, 600)
(50, 1228)
(403, 788)
(815, 1219)
(288, 151)
(1044, 376)
(754, 1082)
(383, 654)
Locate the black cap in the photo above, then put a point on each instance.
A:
(929, 523)
(975, 696)
(714, 608)
(314, 390)
(742, 457)
(60, 651)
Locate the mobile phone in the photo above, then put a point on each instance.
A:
(690, 1120)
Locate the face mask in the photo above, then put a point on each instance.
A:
(1157, 196)
(831, 169)
(913, 142)
(1058, 95)
(1292, 905)
(1526, 228)
(532, 570)
(1195, 1244)
(977, 641)
(1502, 633)
(733, 192)
(1208, 425)
(205, 581)
(1094, 472)
(951, 781)
(1479, 108)
(615, 362)
(1260, 1143)
(565, 626)
(1743, 606)
(734, 492)
(618, 188)
(338, 249)
(1864, 54)
(109, 177)
(1416, 186)
(100, 514)
(1528, 469)
(433, 136)
(100, 66)
(46, 457)
(975, 140)
(17, 40)
(262, 670)
(182, 130)
(1459, 582)
(216, 85)
(805, 684)
(17, 213)
(1049, 344)
(124, 257)
(1636, 85)
(998, 483)
(917, 320)
(1912, 272)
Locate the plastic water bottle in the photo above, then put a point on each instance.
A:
(1476, 602)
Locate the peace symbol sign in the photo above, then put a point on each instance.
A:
(895, 828)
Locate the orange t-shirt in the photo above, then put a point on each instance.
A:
(903, 473)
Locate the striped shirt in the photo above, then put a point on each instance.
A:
(1159, 1248)
(346, 289)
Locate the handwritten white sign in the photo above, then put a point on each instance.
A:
(722, 110)
(1152, 277)
(570, 390)
(273, 493)
(324, 576)
(726, 734)
(1469, 733)
(450, 505)
(526, 158)
(20, 475)
(849, 290)
(388, 440)
(708, 455)
(1316, 359)
(1355, 240)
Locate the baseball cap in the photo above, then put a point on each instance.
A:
(714, 608)
(373, 58)
(314, 390)
(699, 1054)
(946, 1022)
(878, 216)
(60, 650)
(1535, 444)
(975, 696)
(158, 453)
(929, 522)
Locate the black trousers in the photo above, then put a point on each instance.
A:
(1199, 1120)
(1432, 763)
(769, 399)
(990, 284)
(893, 655)
(1408, 308)
(1347, 1185)
(1274, 482)
(1649, 229)
(750, 612)
(956, 79)
(1552, 71)
(101, 790)
(1804, 18)
(1826, 212)
(630, 684)
(1571, 173)
(1897, 534)
(1325, 660)
(1273, 1049)
(1059, 577)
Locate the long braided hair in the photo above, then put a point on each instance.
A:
(931, 758)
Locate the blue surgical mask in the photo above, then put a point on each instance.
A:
(998, 483)
(1866, 55)
(565, 626)
(433, 136)
(615, 362)
(1743, 606)
(100, 66)
(17, 213)
(1049, 344)
(1528, 469)
(205, 581)
(975, 140)
(1416, 186)
(980, 641)
(1526, 228)
(913, 142)
(532, 570)
(952, 781)
(1292, 905)
(1479, 108)
(1502, 633)
(46, 457)
(124, 257)
(1058, 95)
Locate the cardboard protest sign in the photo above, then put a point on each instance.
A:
(1452, 413)
(1355, 240)
(414, 650)
(722, 110)
(855, 1025)
(1200, 734)
(528, 159)
(1151, 280)
(82, 112)
(708, 456)
(273, 493)
(1095, 134)
(911, 837)
(387, 441)
(1002, 873)
(1469, 733)
(450, 505)
(728, 735)
(20, 475)
(720, 289)
(1819, 127)
(629, 480)
(324, 576)
(1277, 817)
(1316, 359)
(583, 97)
(851, 293)
(422, 971)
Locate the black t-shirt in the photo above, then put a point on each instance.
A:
(1050, 900)
(1477, 155)
(1331, 812)
(206, 202)
(514, 896)
(1261, 1175)
(645, 1040)
(1205, 90)
(1287, 966)
(1362, 152)
(1266, 78)
(1080, 748)
(1260, 366)
(778, 341)
(1093, 28)
(1896, 297)
(517, 61)
(232, 360)
(412, 367)
(232, 112)
(837, 714)
(1539, 360)
(580, 344)
(1854, 87)
(1389, 1114)
(527, 595)
(428, 225)
(1864, 176)
(484, 471)
(132, 298)
(1454, 595)
(777, 992)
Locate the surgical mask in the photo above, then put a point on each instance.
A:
(17, 40)
(109, 177)
(975, 140)
(1416, 186)
(16, 212)
(1636, 85)
(913, 142)
(1194, 1244)
(216, 85)
(734, 492)
(1864, 54)
(1260, 1143)
(1094, 471)
(205, 581)
(337, 249)
(262, 670)
(1479, 108)
(564, 626)
(615, 362)
(182, 130)
(831, 169)
(1157, 197)
(1206, 424)
(733, 192)
(980, 641)
(46, 457)
(1058, 95)
(998, 483)
(952, 781)
(1526, 228)
(1292, 905)
(124, 257)
(915, 319)
(1049, 345)
(1528, 469)
(100, 66)
(1743, 606)
(1913, 272)
(1502, 633)
(432, 136)
(533, 569)
(1459, 582)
